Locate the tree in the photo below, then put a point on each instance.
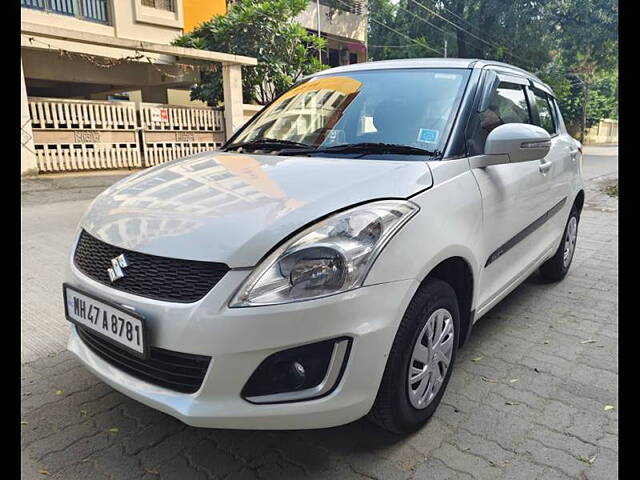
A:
(588, 44)
(514, 31)
(285, 50)
(570, 44)
(382, 41)
(602, 98)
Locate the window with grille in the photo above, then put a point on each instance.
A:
(93, 10)
(160, 4)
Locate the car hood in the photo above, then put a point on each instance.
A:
(233, 208)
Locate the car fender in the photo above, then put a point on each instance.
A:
(448, 225)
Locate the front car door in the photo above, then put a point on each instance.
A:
(515, 197)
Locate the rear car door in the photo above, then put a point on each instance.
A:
(513, 195)
(560, 162)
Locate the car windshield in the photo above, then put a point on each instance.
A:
(364, 110)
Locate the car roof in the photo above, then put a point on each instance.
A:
(468, 63)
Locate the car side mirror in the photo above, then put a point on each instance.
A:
(520, 142)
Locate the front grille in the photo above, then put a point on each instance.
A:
(177, 371)
(160, 278)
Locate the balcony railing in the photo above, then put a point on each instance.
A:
(92, 10)
(352, 6)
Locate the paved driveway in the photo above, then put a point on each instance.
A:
(530, 396)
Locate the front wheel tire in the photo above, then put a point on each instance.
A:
(420, 361)
(556, 268)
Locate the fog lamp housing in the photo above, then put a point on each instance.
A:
(300, 373)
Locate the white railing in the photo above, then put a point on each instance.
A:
(170, 132)
(72, 135)
(58, 113)
(160, 117)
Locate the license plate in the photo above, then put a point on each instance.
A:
(113, 323)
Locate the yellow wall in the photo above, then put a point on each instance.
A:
(604, 132)
(182, 98)
(198, 11)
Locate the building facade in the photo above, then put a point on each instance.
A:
(59, 68)
(199, 11)
(75, 52)
(343, 23)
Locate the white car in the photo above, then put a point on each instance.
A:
(330, 259)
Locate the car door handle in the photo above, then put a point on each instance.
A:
(574, 153)
(545, 166)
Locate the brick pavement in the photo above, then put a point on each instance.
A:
(52, 205)
(559, 342)
(526, 401)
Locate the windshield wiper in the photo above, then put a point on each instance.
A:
(266, 143)
(365, 148)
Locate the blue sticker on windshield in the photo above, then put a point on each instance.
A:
(426, 135)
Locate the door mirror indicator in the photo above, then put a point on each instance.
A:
(519, 142)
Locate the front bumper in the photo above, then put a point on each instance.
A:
(239, 339)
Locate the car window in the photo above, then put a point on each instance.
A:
(545, 112)
(507, 104)
(557, 115)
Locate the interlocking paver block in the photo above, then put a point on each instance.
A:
(531, 405)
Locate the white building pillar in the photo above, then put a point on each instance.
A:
(232, 86)
(28, 163)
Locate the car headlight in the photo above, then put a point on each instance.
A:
(332, 256)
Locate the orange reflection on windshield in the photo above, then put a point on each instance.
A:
(346, 85)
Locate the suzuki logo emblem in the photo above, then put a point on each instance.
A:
(116, 271)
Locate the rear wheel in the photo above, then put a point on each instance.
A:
(556, 268)
(421, 360)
